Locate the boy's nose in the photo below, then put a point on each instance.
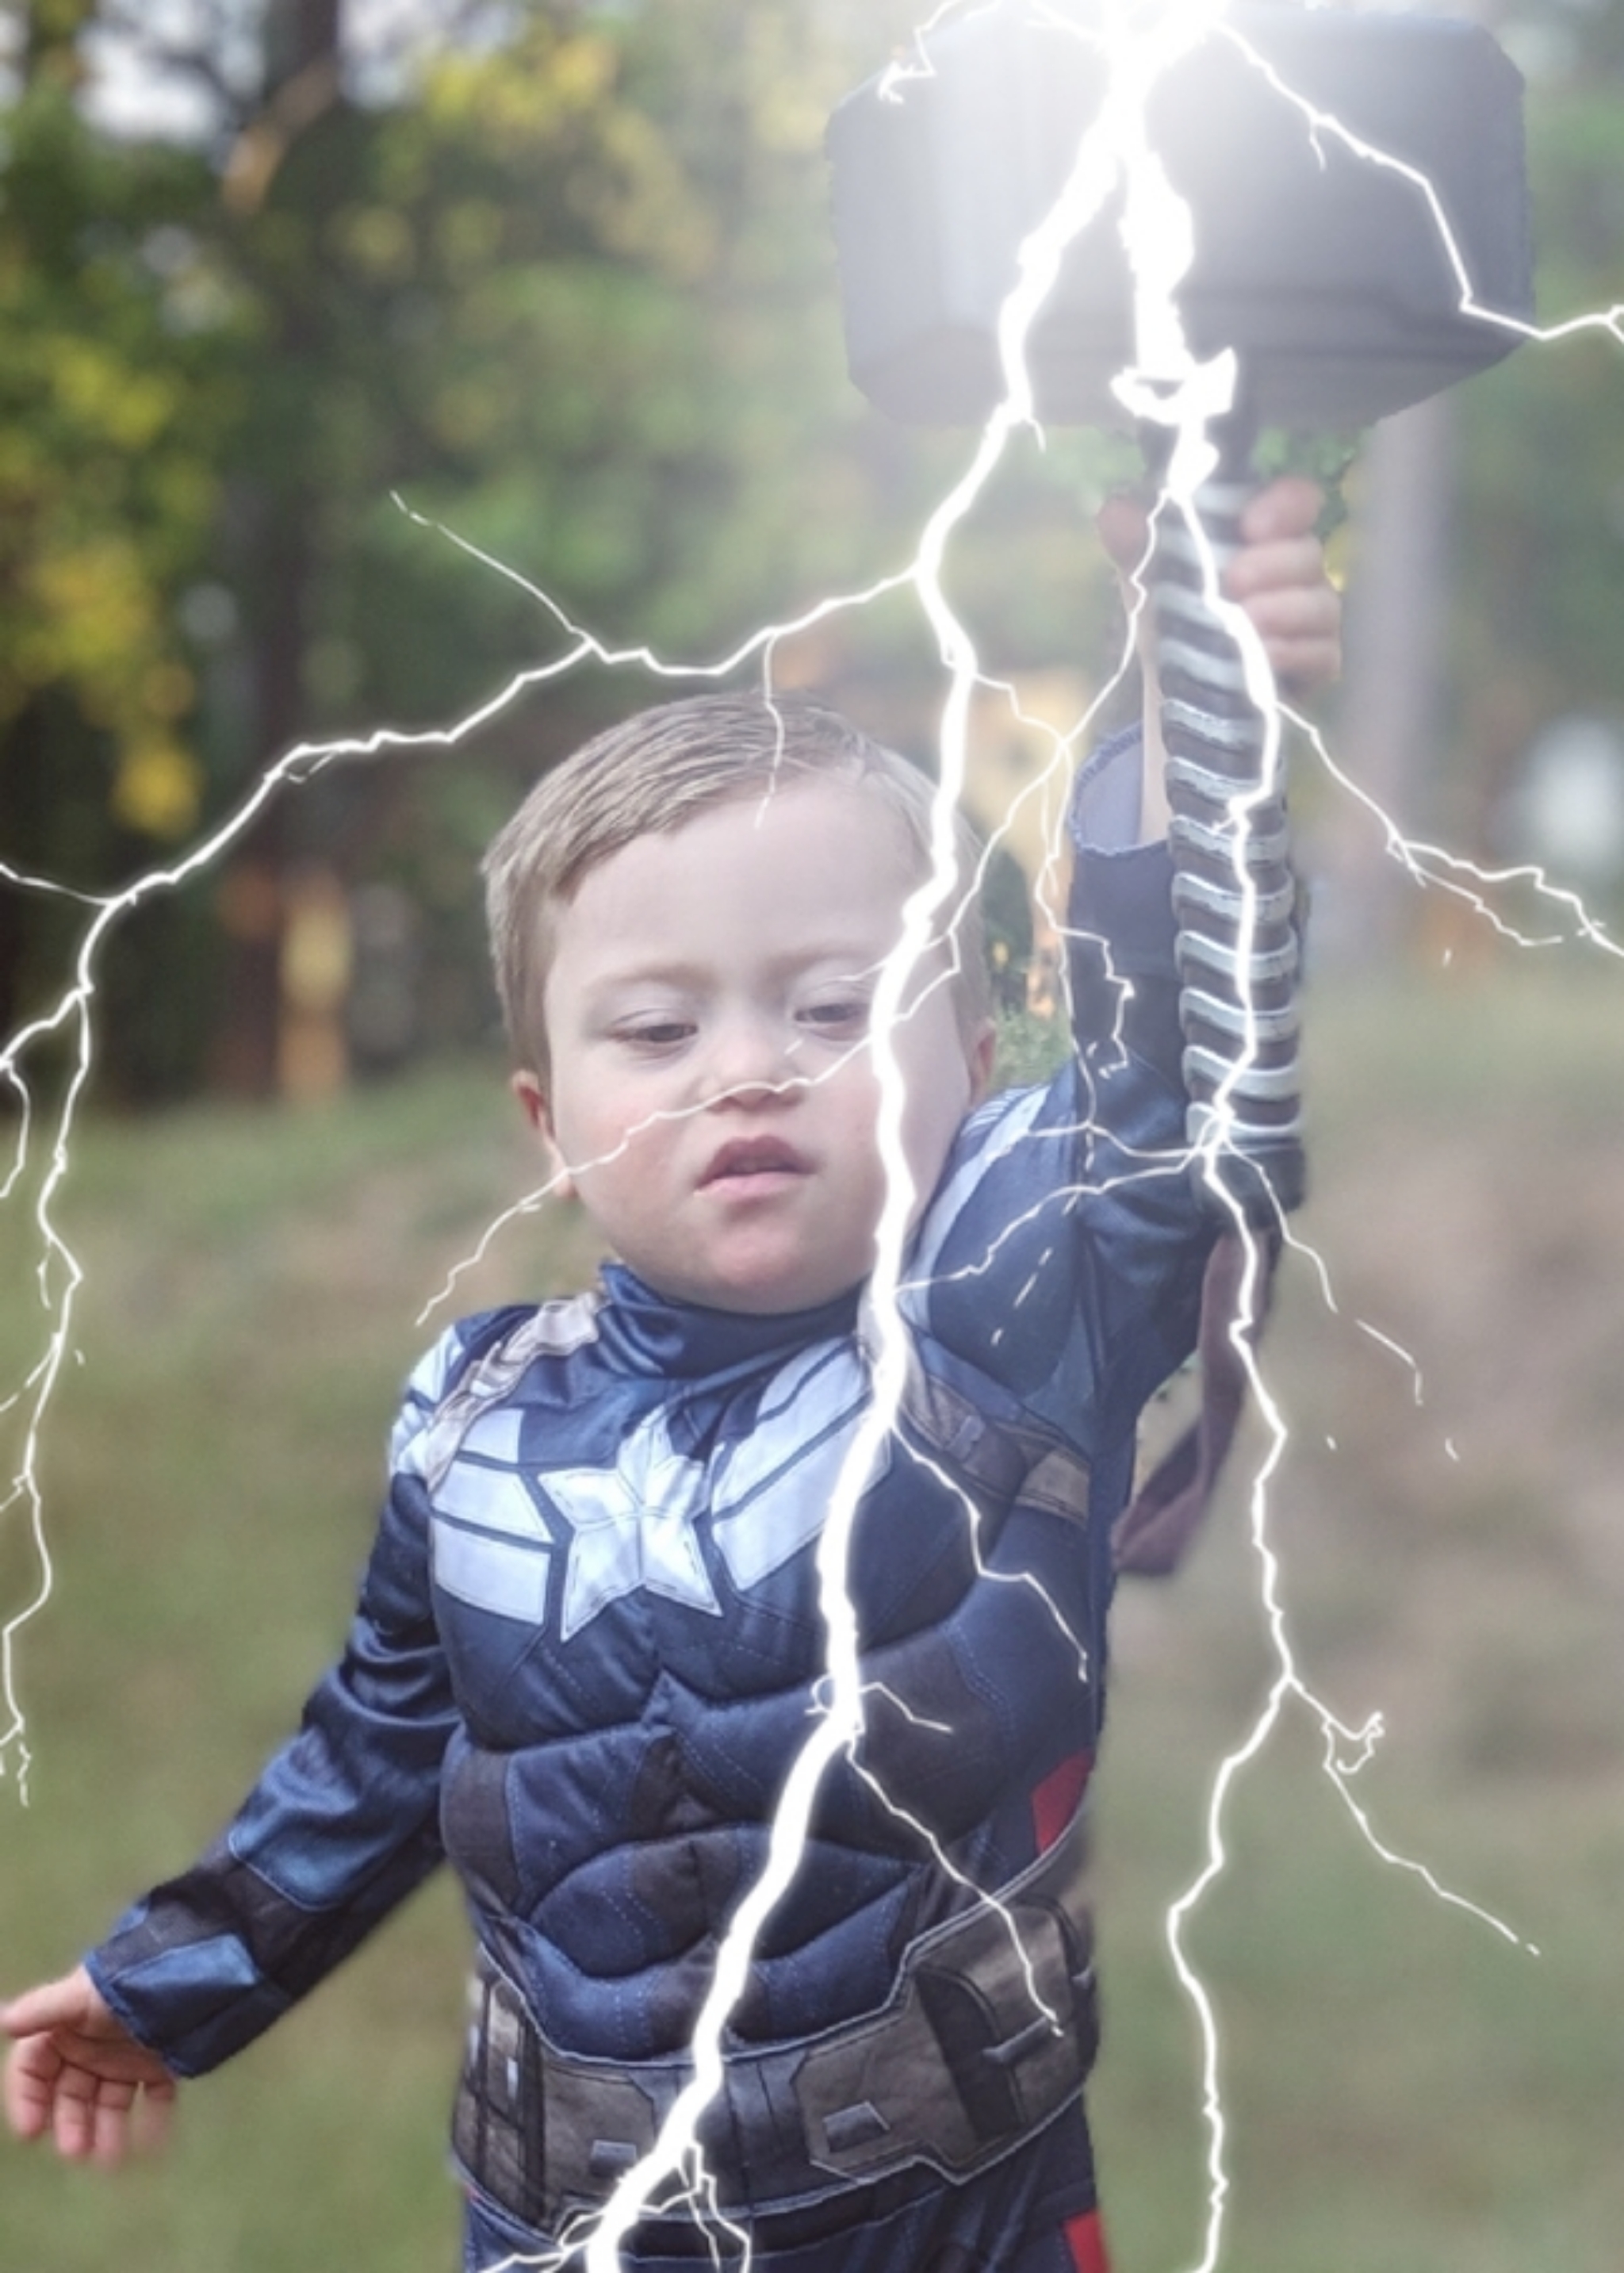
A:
(750, 1065)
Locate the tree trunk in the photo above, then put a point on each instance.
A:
(301, 53)
(50, 39)
(299, 33)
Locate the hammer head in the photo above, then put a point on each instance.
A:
(1328, 272)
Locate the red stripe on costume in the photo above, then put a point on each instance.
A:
(1055, 1800)
(1085, 2237)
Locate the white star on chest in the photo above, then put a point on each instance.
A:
(633, 1527)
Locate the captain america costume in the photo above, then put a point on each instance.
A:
(586, 1650)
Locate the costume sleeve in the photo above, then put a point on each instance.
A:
(1147, 1237)
(1119, 920)
(1066, 1245)
(341, 1826)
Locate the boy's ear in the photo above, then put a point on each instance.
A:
(527, 1087)
(982, 1049)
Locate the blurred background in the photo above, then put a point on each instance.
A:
(559, 278)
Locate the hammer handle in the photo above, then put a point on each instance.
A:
(1234, 893)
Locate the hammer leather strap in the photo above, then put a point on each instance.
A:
(989, 2032)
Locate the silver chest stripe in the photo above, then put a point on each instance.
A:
(495, 1435)
(491, 1498)
(554, 1331)
(776, 1487)
(632, 1526)
(501, 1564)
(491, 1574)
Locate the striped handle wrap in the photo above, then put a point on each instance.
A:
(1234, 893)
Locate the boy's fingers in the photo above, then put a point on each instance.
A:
(153, 2117)
(88, 2112)
(1300, 627)
(1284, 509)
(1287, 507)
(1277, 574)
(1289, 611)
(76, 2071)
(73, 2114)
(109, 2133)
(1281, 564)
(31, 2072)
(53, 2004)
(1295, 609)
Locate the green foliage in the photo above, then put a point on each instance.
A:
(1541, 456)
(1327, 458)
(634, 388)
(111, 405)
(117, 393)
(573, 296)
(572, 293)
(1031, 1046)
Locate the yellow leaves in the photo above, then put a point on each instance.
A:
(93, 607)
(791, 116)
(641, 205)
(124, 320)
(87, 619)
(524, 96)
(791, 88)
(130, 408)
(157, 789)
(558, 110)
(376, 241)
(582, 70)
(469, 233)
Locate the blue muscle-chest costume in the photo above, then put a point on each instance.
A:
(586, 1652)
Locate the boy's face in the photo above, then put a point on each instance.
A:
(710, 1091)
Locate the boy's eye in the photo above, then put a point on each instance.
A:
(841, 1015)
(655, 1033)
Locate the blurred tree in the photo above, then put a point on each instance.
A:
(563, 280)
(1489, 523)
(600, 254)
(1540, 534)
(286, 145)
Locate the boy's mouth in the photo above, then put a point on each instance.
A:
(748, 1156)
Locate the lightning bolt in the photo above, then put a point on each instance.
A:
(1168, 388)
(1157, 237)
(837, 1732)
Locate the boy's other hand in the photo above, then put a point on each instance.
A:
(74, 2070)
(1277, 575)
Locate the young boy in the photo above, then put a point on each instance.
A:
(589, 1639)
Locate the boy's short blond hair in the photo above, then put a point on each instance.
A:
(664, 766)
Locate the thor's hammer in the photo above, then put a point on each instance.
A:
(1356, 186)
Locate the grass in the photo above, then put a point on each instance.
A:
(1404, 2089)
